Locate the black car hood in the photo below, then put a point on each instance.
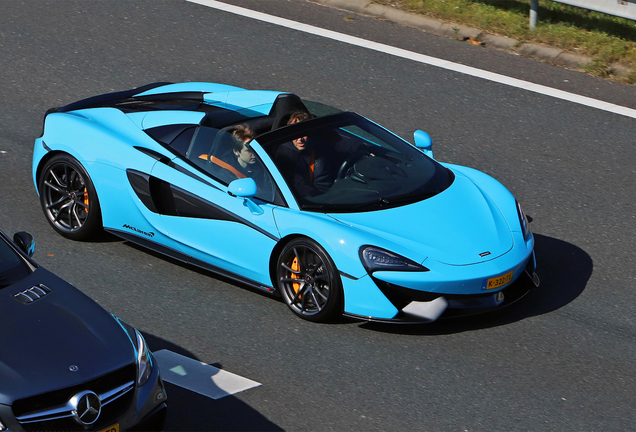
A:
(41, 340)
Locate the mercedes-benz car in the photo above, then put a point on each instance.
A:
(66, 363)
(326, 208)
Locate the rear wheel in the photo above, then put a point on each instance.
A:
(309, 281)
(68, 198)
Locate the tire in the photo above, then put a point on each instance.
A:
(68, 198)
(308, 281)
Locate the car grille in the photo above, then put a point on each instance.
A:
(52, 411)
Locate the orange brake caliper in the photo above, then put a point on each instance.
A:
(295, 267)
(86, 199)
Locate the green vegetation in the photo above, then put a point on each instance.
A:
(607, 39)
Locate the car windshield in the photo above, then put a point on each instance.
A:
(345, 163)
(12, 267)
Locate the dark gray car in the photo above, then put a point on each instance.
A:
(66, 363)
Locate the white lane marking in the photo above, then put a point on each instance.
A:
(421, 58)
(199, 377)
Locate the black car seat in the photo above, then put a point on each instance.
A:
(284, 105)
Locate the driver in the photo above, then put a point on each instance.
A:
(309, 163)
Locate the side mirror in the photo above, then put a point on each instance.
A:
(423, 141)
(246, 188)
(25, 242)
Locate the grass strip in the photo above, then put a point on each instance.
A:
(607, 39)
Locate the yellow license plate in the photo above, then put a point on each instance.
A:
(113, 428)
(496, 282)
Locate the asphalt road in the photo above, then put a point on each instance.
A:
(563, 359)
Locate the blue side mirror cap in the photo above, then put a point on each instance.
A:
(423, 141)
(244, 188)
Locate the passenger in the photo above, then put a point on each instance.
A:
(308, 163)
(244, 158)
(244, 162)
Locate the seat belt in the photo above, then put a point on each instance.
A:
(222, 164)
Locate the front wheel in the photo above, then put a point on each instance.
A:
(309, 281)
(68, 198)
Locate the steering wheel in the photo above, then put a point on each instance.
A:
(350, 161)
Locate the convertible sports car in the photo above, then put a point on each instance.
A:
(66, 363)
(326, 208)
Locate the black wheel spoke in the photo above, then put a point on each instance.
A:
(77, 218)
(303, 301)
(319, 292)
(313, 295)
(292, 280)
(66, 206)
(71, 180)
(56, 189)
(299, 293)
(300, 262)
(57, 179)
(66, 177)
(286, 267)
(56, 202)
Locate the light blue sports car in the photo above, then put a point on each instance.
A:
(326, 208)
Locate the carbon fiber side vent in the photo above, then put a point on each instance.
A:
(32, 294)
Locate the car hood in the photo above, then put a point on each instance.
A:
(42, 339)
(458, 226)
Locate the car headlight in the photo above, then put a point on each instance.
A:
(523, 221)
(373, 258)
(142, 353)
(2, 427)
(144, 361)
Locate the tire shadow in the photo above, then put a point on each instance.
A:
(190, 411)
(564, 270)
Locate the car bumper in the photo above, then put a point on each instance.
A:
(408, 305)
(146, 411)
(154, 421)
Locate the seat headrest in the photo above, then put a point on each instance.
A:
(222, 145)
(284, 105)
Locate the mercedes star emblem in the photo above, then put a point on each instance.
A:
(86, 407)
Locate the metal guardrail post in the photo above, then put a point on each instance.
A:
(534, 7)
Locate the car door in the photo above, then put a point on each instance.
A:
(218, 230)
